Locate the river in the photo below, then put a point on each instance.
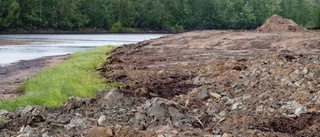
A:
(15, 47)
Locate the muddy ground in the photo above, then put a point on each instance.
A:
(12, 75)
(200, 83)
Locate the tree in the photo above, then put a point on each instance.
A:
(9, 13)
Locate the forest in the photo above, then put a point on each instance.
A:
(156, 15)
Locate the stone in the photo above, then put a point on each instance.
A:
(102, 120)
(26, 110)
(75, 122)
(113, 97)
(175, 113)
(3, 112)
(139, 116)
(46, 134)
(304, 71)
(223, 113)
(203, 92)
(215, 95)
(196, 80)
(227, 135)
(298, 111)
(246, 97)
(216, 131)
(259, 109)
(237, 106)
(228, 101)
(74, 102)
(27, 131)
(158, 110)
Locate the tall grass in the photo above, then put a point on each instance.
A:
(74, 77)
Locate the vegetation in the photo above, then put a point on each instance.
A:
(167, 15)
(74, 77)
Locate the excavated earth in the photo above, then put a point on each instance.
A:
(200, 83)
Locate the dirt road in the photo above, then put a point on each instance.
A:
(11, 76)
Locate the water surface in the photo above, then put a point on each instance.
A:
(31, 46)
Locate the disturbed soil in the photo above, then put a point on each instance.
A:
(11, 76)
(200, 83)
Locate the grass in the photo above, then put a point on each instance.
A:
(74, 77)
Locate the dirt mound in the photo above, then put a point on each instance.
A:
(277, 23)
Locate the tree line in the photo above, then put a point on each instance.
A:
(162, 15)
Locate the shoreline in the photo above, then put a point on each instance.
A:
(14, 74)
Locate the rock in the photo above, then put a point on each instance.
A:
(46, 134)
(102, 120)
(216, 131)
(158, 110)
(298, 111)
(38, 110)
(304, 71)
(3, 112)
(27, 131)
(237, 106)
(74, 102)
(223, 113)
(162, 108)
(75, 122)
(203, 92)
(175, 113)
(215, 95)
(196, 80)
(227, 135)
(227, 100)
(139, 116)
(246, 97)
(239, 87)
(26, 110)
(113, 97)
(259, 109)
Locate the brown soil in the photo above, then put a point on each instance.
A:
(277, 23)
(200, 83)
(14, 74)
(7, 42)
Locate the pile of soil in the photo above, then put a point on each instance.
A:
(277, 23)
(200, 83)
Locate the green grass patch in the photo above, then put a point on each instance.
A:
(74, 77)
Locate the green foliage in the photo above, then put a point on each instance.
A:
(169, 15)
(8, 13)
(117, 27)
(74, 77)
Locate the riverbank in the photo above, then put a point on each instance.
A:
(201, 83)
(14, 74)
(75, 76)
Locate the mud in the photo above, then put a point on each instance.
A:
(8, 42)
(11, 76)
